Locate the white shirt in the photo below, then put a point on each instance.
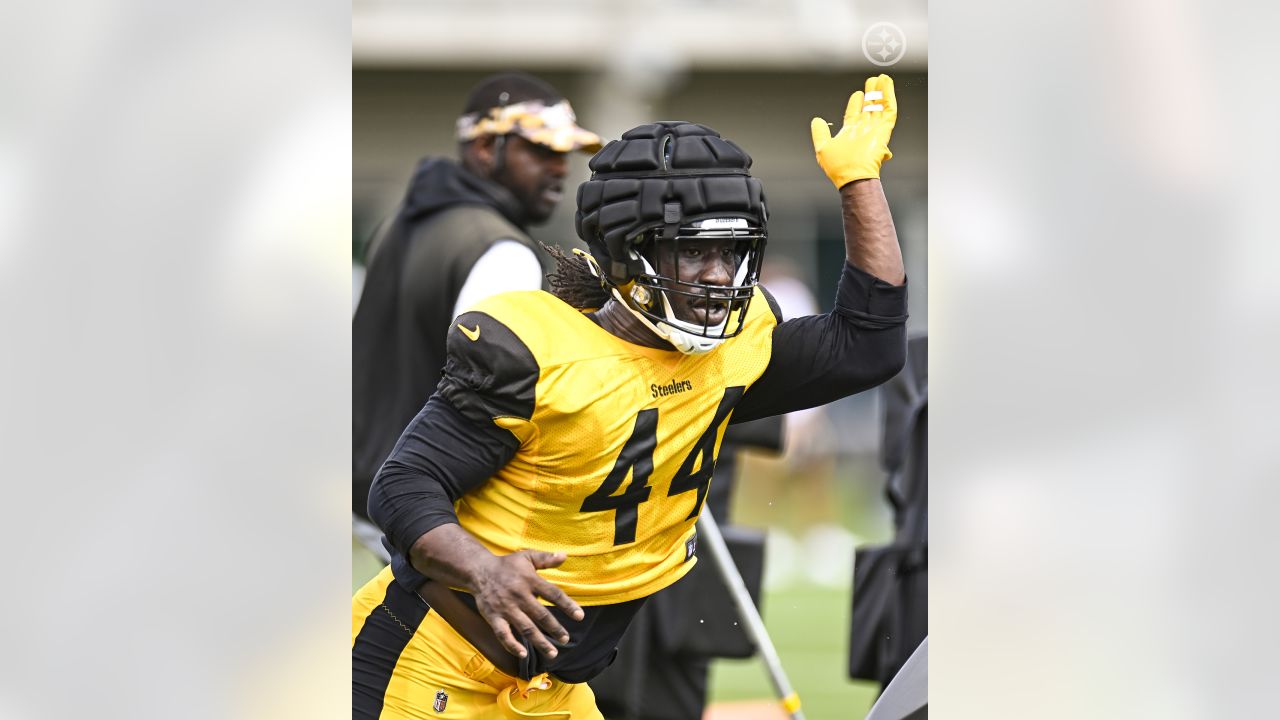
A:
(506, 265)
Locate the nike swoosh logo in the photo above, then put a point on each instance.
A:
(472, 335)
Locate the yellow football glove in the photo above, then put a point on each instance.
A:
(857, 151)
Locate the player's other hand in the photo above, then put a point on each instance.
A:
(856, 152)
(507, 592)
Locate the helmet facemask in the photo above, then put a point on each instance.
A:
(696, 316)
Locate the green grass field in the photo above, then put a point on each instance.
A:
(809, 625)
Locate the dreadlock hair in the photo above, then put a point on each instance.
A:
(573, 282)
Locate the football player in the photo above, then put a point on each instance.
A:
(553, 481)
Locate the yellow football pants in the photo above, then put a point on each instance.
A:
(407, 662)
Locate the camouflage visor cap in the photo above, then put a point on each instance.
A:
(554, 126)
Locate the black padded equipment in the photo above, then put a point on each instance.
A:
(664, 174)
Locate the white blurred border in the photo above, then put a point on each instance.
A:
(175, 213)
(1104, 346)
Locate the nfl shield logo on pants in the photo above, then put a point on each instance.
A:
(442, 699)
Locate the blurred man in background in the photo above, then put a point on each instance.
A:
(458, 236)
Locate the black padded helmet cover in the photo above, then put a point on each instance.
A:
(664, 174)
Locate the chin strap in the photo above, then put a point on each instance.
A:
(686, 343)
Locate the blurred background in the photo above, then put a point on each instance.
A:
(757, 72)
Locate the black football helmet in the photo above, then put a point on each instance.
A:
(660, 186)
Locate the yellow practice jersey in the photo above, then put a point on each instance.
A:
(617, 441)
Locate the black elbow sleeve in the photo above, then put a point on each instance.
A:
(407, 507)
(440, 456)
(869, 302)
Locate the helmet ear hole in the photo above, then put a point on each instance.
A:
(645, 248)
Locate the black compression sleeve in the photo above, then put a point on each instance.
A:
(820, 358)
(440, 456)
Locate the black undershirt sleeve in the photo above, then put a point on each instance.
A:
(816, 359)
(440, 456)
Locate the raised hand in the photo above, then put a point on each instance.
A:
(857, 151)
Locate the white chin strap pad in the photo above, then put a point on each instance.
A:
(687, 343)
